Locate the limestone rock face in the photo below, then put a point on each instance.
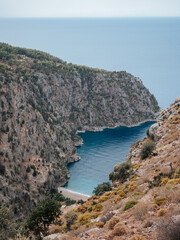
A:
(166, 114)
(44, 101)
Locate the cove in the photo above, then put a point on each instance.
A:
(99, 154)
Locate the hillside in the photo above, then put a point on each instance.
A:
(144, 202)
(44, 101)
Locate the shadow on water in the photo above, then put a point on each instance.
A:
(99, 153)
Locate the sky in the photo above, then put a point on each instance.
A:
(89, 8)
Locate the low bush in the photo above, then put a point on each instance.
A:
(103, 199)
(102, 188)
(174, 181)
(97, 207)
(60, 198)
(119, 229)
(2, 169)
(161, 212)
(100, 224)
(113, 222)
(160, 200)
(84, 218)
(147, 149)
(129, 204)
(95, 214)
(70, 217)
(121, 172)
(81, 209)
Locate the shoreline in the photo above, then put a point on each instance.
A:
(73, 195)
(100, 129)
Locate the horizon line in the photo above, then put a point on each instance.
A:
(89, 17)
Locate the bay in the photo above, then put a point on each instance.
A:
(100, 152)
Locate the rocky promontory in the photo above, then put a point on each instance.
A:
(44, 102)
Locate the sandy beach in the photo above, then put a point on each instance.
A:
(73, 195)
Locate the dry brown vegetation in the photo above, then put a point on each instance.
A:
(153, 189)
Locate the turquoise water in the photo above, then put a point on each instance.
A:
(99, 153)
(148, 48)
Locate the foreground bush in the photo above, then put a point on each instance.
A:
(160, 200)
(147, 149)
(129, 204)
(121, 172)
(119, 229)
(84, 218)
(70, 217)
(102, 188)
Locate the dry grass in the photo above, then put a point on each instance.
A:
(168, 229)
(138, 237)
(141, 210)
(113, 222)
(119, 229)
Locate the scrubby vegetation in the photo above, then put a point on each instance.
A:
(60, 198)
(121, 172)
(129, 204)
(70, 217)
(43, 215)
(7, 225)
(102, 188)
(147, 149)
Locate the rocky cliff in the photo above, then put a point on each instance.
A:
(44, 101)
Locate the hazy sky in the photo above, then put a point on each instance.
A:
(89, 8)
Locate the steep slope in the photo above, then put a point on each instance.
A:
(143, 206)
(44, 101)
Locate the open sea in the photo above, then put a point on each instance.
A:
(148, 48)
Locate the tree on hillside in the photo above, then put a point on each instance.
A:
(7, 226)
(43, 215)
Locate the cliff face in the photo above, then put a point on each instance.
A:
(144, 203)
(44, 101)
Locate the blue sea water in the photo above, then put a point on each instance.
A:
(100, 152)
(148, 48)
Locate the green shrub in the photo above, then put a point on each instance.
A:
(60, 198)
(7, 225)
(121, 172)
(102, 188)
(129, 204)
(2, 169)
(28, 169)
(43, 215)
(147, 149)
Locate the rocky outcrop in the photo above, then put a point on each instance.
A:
(44, 102)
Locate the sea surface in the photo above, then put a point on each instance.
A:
(100, 152)
(148, 48)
